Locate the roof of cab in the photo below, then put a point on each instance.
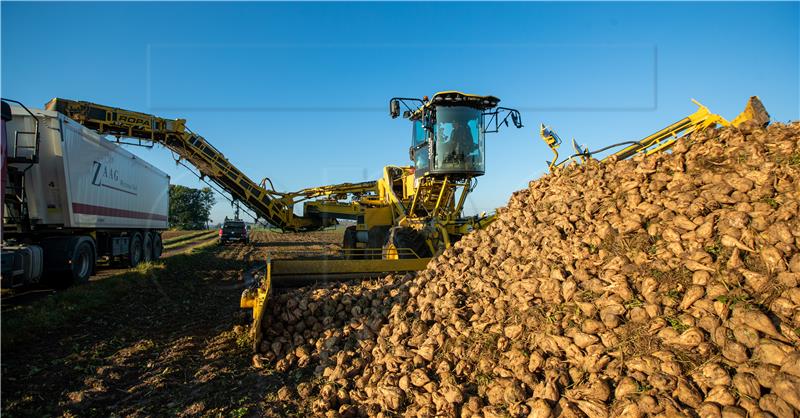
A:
(457, 98)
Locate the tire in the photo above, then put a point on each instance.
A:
(158, 245)
(135, 250)
(82, 263)
(147, 246)
(349, 243)
(376, 240)
(406, 238)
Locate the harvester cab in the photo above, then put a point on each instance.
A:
(448, 131)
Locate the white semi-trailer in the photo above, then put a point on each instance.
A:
(71, 198)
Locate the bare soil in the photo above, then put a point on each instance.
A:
(175, 342)
(166, 235)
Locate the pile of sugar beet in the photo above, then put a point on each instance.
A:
(664, 285)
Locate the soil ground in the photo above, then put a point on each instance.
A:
(186, 240)
(167, 338)
(167, 235)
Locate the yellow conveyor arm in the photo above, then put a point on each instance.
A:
(276, 208)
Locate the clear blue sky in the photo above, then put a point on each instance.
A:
(299, 92)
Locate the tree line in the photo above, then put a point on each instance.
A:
(189, 208)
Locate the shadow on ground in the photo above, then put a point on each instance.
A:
(166, 338)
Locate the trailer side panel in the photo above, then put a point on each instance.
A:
(110, 187)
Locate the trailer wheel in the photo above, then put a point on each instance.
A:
(158, 245)
(82, 263)
(135, 250)
(147, 247)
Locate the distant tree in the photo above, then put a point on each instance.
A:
(189, 208)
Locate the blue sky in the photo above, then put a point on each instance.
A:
(299, 92)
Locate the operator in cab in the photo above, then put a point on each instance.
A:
(462, 142)
(465, 142)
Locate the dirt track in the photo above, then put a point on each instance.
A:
(175, 343)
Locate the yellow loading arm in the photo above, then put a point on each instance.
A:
(663, 139)
(275, 207)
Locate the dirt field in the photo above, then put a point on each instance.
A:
(167, 338)
(168, 235)
(175, 242)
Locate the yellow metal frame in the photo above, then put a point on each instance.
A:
(665, 138)
(275, 207)
(426, 203)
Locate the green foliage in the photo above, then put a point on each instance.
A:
(772, 202)
(634, 303)
(715, 250)
(483, 379)
(206, 235)
(676, 324)
(794, 159)
(243, 340)
(239, 412)
(732, 300)
(189, 208)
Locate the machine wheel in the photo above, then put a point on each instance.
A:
(135, 250)
(158, 245)
(349, 242)
(147, 246)
(401, 237)
(376, 239)
(82, 263)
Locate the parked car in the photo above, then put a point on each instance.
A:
(233, 230)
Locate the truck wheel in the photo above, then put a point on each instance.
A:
(82, 263)
(158, 245)
(147, 246)
(135, 250)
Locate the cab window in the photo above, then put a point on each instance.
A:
(419, 148)
(459, 139)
